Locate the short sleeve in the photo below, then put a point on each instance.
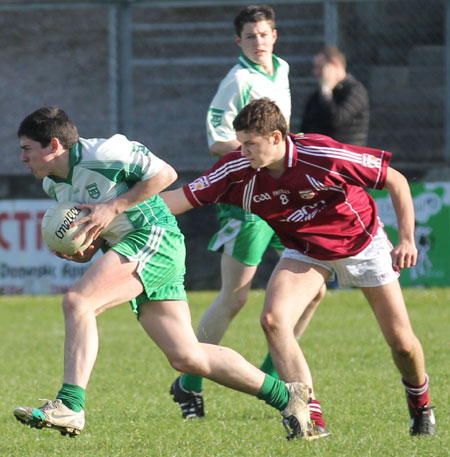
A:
(223, 109)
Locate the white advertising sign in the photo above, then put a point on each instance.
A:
(26, 264)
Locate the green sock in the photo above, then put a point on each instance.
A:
(267, 367)
(192, 382)
(72, 396)
(274, 392)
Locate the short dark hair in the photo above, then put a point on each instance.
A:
(253, 13)
(262, 116)
(333, 53)
(49, 122)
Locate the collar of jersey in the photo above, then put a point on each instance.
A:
(74, 158)
(290, 159)
(245, 62)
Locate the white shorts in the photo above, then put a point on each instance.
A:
(372, 267)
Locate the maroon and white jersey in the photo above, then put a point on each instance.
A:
(318, 206)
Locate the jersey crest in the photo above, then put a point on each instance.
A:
(307, 194)
(371, 161)
(93, 190)
(200, 183)
(216, 116)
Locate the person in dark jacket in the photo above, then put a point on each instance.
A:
(339, 107)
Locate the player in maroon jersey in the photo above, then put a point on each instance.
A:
(310, 190)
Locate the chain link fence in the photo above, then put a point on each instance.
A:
(398, 50)
(52, 54)
(150, 69)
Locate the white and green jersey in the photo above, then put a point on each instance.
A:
(243, 83)
(102, 169)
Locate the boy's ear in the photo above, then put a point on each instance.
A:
(56, 145)
(274, 35)
(277, 137)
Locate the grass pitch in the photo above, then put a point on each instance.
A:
(130, 413)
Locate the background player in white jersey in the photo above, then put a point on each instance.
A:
(243, 237)
(118, 181)
(316, 202)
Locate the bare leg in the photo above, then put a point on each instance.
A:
(109, 282)
(168, 323)
(292, 287)
(112, 281)
(236, 282)
(390, 310)
(306, 317)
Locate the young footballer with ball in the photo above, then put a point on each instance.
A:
(118, 181)
(310, 190)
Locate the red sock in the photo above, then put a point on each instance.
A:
(418, 396)
(316, 413)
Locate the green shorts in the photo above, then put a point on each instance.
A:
(160, 253)
(244, 241)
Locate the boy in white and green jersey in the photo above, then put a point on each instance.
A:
(103, 169)
(118, 180)
(243, 235)
(245, 82)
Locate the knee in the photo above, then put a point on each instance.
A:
(238, 302)
(186, 363)
(233, 301)
(404, 345)
(73, 303)
(271, 324)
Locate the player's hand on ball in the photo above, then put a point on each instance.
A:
(68, 228)
(57, 231)
(99, 218)
(82, 256)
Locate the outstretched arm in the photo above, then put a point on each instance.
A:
(404, 255)
(176, 201)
